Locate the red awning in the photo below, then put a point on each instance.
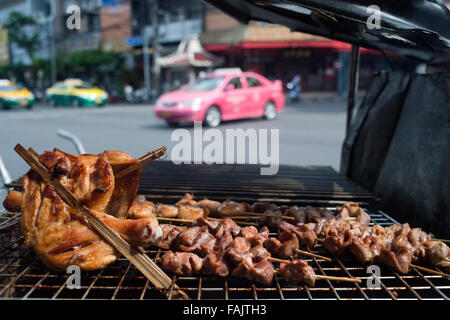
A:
(330, 44)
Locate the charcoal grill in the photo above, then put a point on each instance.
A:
(23, 276)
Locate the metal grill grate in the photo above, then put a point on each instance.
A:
(22, 276)
(310, 185)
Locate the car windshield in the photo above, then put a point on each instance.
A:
(84, 86)
(9, 88)
(204, 84)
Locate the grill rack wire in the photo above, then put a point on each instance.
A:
(23, 276)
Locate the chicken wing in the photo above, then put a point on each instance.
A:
(58, 233)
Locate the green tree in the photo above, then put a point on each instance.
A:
(97, 60)
(17, 24)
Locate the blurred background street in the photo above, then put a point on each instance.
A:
(311, 132)
(125, 56)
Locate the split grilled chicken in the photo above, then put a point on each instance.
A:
(59, 234)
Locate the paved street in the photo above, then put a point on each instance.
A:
(311, 133)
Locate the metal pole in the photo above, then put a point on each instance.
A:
(353, 83)
(156, 66)
(73, 138)
(52, 41)
(146, 61)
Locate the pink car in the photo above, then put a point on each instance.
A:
(219, 97)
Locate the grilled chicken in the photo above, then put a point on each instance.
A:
(142, 209)
(231, 208)
(210, 206)
(126, 187)
(13, 201)
(59, 234)
(166, 210)
(188, 208)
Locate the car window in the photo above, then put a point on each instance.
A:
(9, 88)
(236, 82)
(60, 86)
(204, 84)
(83, 86)
(253, 82)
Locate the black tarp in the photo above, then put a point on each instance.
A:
(410, 28)
(398, 147)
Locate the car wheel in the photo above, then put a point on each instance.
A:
(213, 117)
(3, 106)
(75, 102)
(172, 124)
(270, 111)
(30, 106)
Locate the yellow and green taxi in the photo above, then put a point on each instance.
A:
(13, 95)
(75, 92)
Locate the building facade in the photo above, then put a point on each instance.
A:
(40, 11)
(278, 53)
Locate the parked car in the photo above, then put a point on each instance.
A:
(222, 96)
(75, 92)
(13, 95)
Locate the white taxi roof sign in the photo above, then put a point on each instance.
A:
(227, 70)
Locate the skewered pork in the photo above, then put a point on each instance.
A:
(214, 265)
(194, 239)
(170, 232)
(182, 263)
(297, 213)
(298, 270)
(261, 271)
(284, 247)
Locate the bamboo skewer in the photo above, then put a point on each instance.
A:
(174, 219)
(442, 274)
(142, 161)
(142, 262)
(319, 276)
(238, 222)
(278, 260)
(190, 221)
(250, 215)
(307, 253)
(443, 240)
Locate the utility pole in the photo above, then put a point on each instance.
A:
(146, 61)
(52, 41)
(155, 27)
